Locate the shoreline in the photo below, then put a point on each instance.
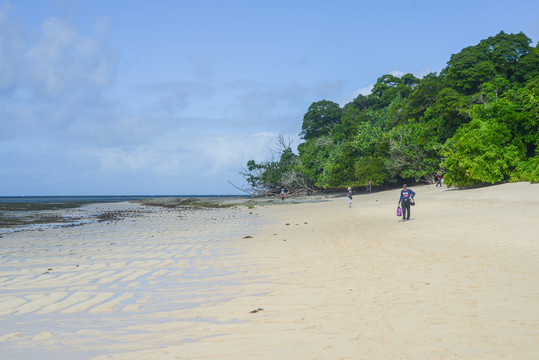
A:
(313, 280)
(51, 212)
(30, 213)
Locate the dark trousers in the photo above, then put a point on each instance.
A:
(406, 210)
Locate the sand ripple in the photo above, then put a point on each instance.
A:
(54, 283)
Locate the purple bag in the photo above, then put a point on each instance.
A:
(399, 212)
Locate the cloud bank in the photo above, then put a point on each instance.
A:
(66, 131)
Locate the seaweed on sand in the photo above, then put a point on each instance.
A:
(183, 203)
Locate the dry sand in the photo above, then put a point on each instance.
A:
(317, 280)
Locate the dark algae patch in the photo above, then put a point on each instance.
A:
(30, 213)
(19, 215)
(184, 203)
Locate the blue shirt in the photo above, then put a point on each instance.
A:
(406, 195)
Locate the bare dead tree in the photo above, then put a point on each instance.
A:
(283, 145)
(242, 189)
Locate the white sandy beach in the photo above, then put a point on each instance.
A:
(458, 281)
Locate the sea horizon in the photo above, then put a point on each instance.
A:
(105, 198)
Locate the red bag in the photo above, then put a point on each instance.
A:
(399, 212)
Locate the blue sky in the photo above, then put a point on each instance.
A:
(174, 97)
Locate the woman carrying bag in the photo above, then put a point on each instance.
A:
(406, 199)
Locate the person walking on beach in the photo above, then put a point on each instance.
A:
(282, 194)
(349, 197)
(440, 177)
(407, 196)
(369, 186)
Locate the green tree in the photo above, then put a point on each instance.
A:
(501, 141)
(320, 118)
(414, 151)
(519, 109)
(353, 114)
(528, 67)
(498, 55)
(388, 87)
(314, 156)
(341, 169)
(493, 90)
(527, 170)
(396, 113)
(447, 113)
(374, 169)
(423, 96)
(271, 175)
(410, 80)
(505, 51)
(468, 69)
(372, 161)
(481, 113)
(481, 152)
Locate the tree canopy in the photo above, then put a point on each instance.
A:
(477, 122)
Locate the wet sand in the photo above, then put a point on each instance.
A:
(312, 280)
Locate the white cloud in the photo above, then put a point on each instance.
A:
(61, 61)
(365, 90)
(362, 91)
(170, 98)
(52, 79)
(278, 107)
(62, 132)
(421, 73)
(11, 50)
(173, 155)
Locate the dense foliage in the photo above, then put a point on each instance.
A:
(477, 122)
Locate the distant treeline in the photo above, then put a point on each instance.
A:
(476, 122)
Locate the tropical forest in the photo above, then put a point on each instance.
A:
(476, 122)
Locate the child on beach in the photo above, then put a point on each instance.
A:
(282, 194)
(349, 197)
